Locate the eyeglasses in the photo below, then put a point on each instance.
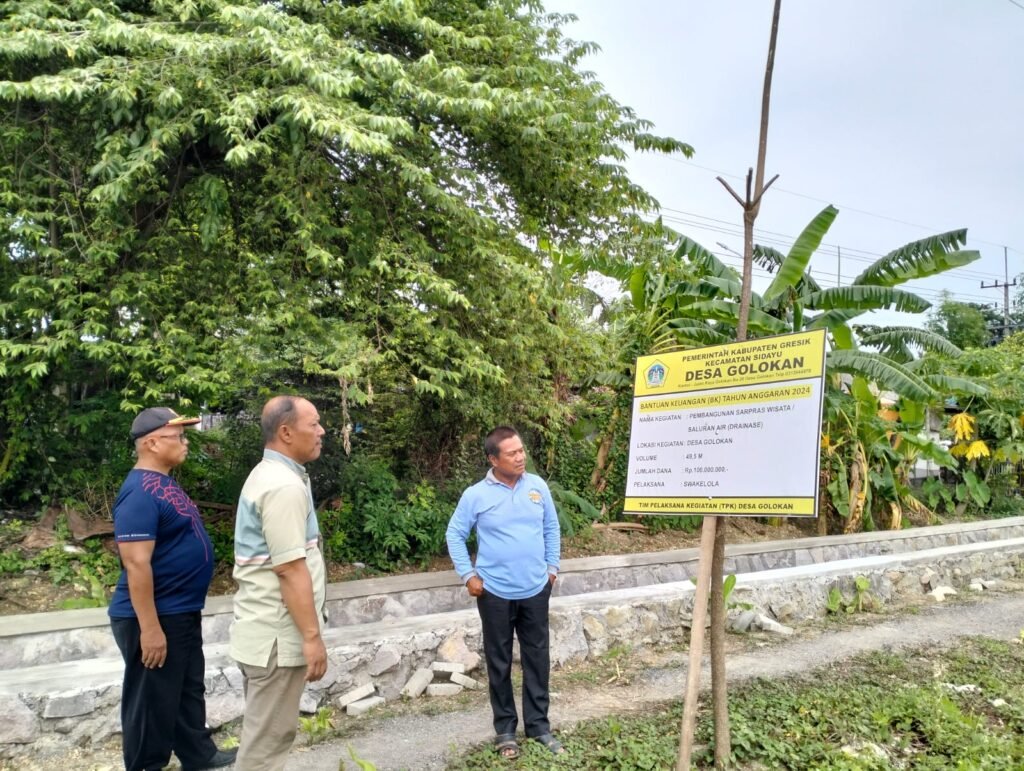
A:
(180, 437)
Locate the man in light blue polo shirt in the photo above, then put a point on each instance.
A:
(518, 548)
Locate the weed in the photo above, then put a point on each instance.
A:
(230, 743)
(728, 584)
(364, 765)
(878, 711)
(319, 726)
(97, 593)
(862, 598)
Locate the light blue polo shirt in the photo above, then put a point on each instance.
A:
(517, 534)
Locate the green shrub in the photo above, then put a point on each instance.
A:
(378, 525)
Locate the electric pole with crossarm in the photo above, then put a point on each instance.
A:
(1005, 286)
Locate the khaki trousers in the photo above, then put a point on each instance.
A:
(271, 718)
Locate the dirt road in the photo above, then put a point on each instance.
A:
(423, 743)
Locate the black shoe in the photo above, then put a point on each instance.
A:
(220, 759)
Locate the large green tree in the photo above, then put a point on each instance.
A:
(966, 325)
(202, 196)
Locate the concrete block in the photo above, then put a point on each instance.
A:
(444, 689)
(449, 667)
(234, 677)
(361, 707)
(355, 695)
(418, 683)
(467, 682)
(766, 624)
(940, 592)
(740, 622)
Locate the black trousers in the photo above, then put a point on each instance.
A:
(528, 619)
(164, 709)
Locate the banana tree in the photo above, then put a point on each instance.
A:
(868, 454)
(867, 458)
(795, 301)
(988, 432)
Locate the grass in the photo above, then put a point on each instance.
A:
(957, 708)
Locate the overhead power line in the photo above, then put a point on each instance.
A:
(828, 281)
(958, 274)
(789, 239)
(837, 205)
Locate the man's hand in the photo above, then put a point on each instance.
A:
(154, 647)
(552, 577)
(315, 653)
(475, 586)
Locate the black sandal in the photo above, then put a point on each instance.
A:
(507, 746)
(551, 743)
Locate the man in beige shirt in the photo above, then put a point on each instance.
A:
(276, 636)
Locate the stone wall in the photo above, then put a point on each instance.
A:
(76, 702)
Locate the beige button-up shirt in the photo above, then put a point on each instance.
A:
(275, 524)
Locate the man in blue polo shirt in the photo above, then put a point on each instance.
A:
(156, 610)
(518, 548)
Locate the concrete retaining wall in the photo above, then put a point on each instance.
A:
(73, 635)
(75, 702)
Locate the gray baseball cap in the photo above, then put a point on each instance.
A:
(149, 420)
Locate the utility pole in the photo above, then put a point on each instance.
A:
(1005, 286)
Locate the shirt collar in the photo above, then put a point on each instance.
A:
(493, 480)
(274, 455)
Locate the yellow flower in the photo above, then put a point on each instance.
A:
(978, 449)
(958, 450)
(962, 426)
(826, 443)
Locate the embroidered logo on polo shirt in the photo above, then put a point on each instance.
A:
(535, 496)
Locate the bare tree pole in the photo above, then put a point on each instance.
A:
(700, 612)
(751, 207)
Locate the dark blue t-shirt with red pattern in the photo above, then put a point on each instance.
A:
(152, 507)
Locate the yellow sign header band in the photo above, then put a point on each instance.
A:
(754, 362)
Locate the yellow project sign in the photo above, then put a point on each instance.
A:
(728, 429)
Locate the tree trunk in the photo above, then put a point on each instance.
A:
(719, 691)
(604, 449)
(858, 480)
(751, 205)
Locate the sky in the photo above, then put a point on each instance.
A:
(907, 115)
